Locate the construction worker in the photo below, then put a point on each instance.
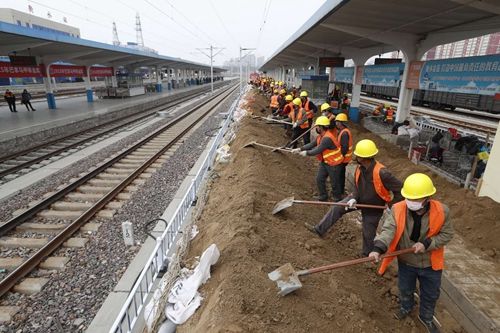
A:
(423, 224)
(299, 122)
(274, 105)
(345, 141)
(288, 106)
(346, 103)
(373, 184)
(327, 150)
(309, 106)
(377, 111)
(281, 100)
(327, 111)
(389, 114)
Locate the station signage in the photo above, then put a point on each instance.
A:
(101, 71)
(384, 61)
(23, 60)
(331, 62)
(8, 70)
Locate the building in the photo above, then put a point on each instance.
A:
(483, 45)
(13, 16)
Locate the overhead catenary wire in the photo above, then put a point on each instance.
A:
(267, 7)
(223, 24)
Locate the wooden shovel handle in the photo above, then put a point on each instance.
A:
(330, 203)
(352, 262)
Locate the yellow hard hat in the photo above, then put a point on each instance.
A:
(303, 93)
(325, 106)
(322, 121)
(387, 106)
(341, 117)
(288, 98)
(418, 186)
(282, 91)
(275, 91)
(297, 101)
(365, 148)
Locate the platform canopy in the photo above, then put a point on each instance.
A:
(51, 47)
(363, 28)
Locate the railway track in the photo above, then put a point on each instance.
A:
(20, 163)
(472, 125)
(51, 223)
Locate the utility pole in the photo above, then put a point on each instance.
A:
(241, 65)
(211, 56)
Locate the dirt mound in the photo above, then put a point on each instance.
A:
(239, 297)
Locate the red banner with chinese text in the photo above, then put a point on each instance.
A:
(8, 70)
(101, 71)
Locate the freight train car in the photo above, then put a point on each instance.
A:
(471, 83)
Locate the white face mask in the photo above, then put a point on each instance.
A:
(414, 205)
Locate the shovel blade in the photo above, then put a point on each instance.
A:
(250, 144)
(283, 204)
(286, 279)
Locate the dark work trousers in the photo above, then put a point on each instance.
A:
(297, 131)
(341, 177)
(310, 121)
(30, 106)
(370, 217)
(429, 281)
(326, 171)
(12, 106)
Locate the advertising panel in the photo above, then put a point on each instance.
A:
(413, 78)
(471, 75)
(383, 75)
(342, 74)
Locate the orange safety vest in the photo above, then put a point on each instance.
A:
(288, 108)
(382, 192)
(309, 112)
(348, 155)
(274, 102)
(299, 118)
(389, 114)
(329, 156)
(376, 111)
(436, 221)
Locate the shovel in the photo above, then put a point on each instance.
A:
(288, 280)
(288, 202)
(289, 144)
(254, 143)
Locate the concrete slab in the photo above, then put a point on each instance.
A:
(10, 263)
(90, 227)
(75, 242)
(60, 214)
(30, 286)
(7, 313)
(32, 243)
(41, 227)
(104, 319)
(56, 263)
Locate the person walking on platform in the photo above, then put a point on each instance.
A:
(309, 106)
(299, 122)
(274, 104)
(345, 141)
(25, 99)
(346, 103)
(327, 150)
(423, 224)
(10, 98)
(374, 185)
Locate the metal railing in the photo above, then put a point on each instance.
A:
(135, 302)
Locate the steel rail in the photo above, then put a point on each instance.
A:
(66, 137)
(31, 263)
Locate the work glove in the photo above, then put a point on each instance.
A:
(375, 255)
(295, 124)
(295, 150)
(351, 204)
(303, 153)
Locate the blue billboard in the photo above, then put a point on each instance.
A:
(342, 74)
(471, 75)
(383, 75)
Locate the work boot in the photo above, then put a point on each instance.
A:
(311, 228)
(401, 314)
(320, 198)
(430, 326)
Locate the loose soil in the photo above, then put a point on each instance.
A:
(239, 297)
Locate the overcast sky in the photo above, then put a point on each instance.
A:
(177, 27)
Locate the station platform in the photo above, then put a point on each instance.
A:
(69, 110)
